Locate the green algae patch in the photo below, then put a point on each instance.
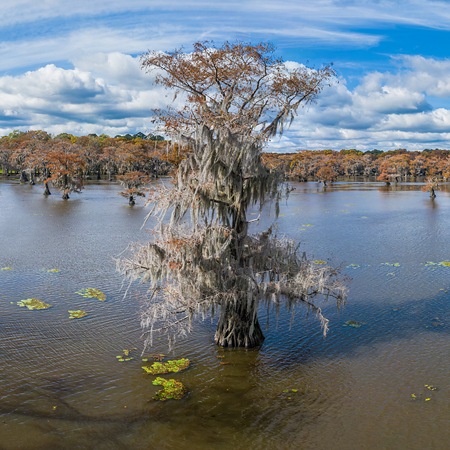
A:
(33, 304)
(171, 389)
(92, 293)
(445, 263)
(353, 324)
(126, 355)
(353, 266)
(319, 262)
(6, 268)
(172, 366)
(53, 270)
(396, 264)
(77, 314)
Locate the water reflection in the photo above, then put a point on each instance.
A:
(62, 386)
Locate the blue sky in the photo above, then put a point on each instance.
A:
(74, 67)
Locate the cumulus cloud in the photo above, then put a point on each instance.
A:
(109, 93)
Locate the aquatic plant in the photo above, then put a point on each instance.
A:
(396, 264)
(6, 268)
(125, 356)
(172, 389)
(353, 324)
(53, 270)
(77, 314)
(172, 366)
(92, 293)
(319, 262)
(33, 303)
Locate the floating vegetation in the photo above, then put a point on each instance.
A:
(6, 268)
(125, 356)
(92, 293)
(286, 391)
(353, 266)
(77, 314)
(396, 264)
(319, 261)
(431, 263)
(53, 270)
(436, 322)
(353, 324)
(172, 366)
(307, 225)
(154, 357)
(420, 396)
(442, 264)
(33, 303)
(172, 389)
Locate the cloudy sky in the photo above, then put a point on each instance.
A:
(74, 66)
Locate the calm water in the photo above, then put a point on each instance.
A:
(62, 386)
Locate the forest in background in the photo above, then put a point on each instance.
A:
(37, 156)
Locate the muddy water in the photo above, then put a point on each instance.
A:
(62, 386)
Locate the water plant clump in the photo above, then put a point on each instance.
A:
(172, 366)
(92, 293)
(33, 303)
(6, 268)
(53, 270)
(126, 355)
(171, 389)
(77, 314)
(353, 324)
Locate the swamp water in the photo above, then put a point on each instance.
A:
(62, 386)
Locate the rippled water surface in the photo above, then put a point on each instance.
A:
(62, 386)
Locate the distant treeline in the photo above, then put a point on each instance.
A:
(391, 166)
(33, 154)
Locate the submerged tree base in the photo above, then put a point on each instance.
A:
(234, 331)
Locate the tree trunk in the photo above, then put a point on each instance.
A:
(47, 189)
(66, 194)
(23, 177)
(239, 326)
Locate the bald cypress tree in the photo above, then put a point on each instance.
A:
(203, 260)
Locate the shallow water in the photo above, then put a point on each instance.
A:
(62, 386)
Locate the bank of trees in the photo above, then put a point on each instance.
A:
(390, 167)
(65, 161)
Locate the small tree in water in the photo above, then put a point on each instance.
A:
(203, 258)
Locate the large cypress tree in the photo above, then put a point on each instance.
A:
(202, 258)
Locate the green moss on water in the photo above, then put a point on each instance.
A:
(171, 389)
(77, 314)
(6, 268)
(319, 261)
(92, 293)
(445, 263)
(33, 304)
(53, 270)
(172, 366)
